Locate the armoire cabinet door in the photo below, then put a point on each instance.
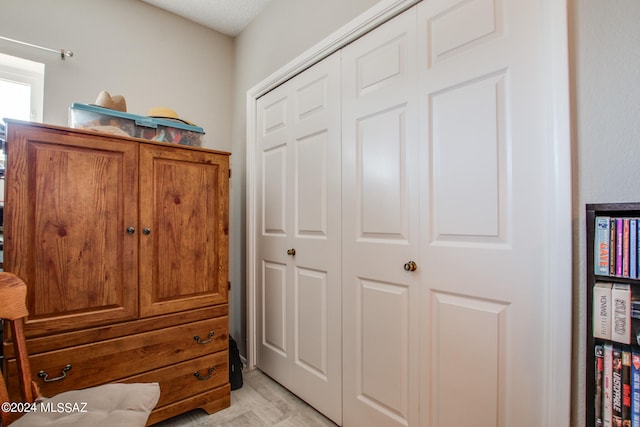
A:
(69, 199)
(183, 229)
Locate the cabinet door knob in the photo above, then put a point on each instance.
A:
(411, 266)
(131, 230)
(147, 231)
(291, 252)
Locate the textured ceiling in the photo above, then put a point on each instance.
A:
(226, 16)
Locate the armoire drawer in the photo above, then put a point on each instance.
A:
(179, 381)
(111, 360)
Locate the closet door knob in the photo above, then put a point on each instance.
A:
(147, 231)
(291, 252)
(411, 266)
(131, 230)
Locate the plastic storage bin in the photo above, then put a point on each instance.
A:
(92, 117)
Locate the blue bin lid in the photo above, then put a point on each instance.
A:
(146, 121)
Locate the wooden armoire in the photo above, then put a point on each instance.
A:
(123, 244)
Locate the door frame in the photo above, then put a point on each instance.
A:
(558, 280)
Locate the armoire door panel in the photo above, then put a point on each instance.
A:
(75, 255)
(182, 222)
(179, 221)
(68, 231)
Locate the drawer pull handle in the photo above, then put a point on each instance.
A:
(197, 374)
(210, 336)
(46, 379)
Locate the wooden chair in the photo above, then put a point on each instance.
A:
(105, 405)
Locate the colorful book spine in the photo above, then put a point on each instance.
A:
(607, 403)
(621, 313)
(602, 310)
(619, 239)
(626, 388)
(612, 246)
(616, 387)
(601, 245)
(599, 397)
(633, 248)
(635, 388)
(638, 249)
(625, 247)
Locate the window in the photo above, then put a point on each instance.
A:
(21, 88)
(21, 97)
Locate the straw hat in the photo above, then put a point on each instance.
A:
(117, 102)
(166, 113)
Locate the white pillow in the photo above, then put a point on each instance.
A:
(105, 405)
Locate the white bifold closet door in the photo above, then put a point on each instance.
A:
(488, 161)
(380, 202)
(448, 161)
(413, 173)
(298, 292)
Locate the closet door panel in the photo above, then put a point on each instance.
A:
(380, 227)
(476, 151)
(312, 208)
(300, 299)
(383, 347)
(381, 186)
(487, 151)
(311, 321)
(274, 201)
(274, 271)
(274, 313)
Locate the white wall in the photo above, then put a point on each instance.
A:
(130, 48)
(284, 30)
(605, 53)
